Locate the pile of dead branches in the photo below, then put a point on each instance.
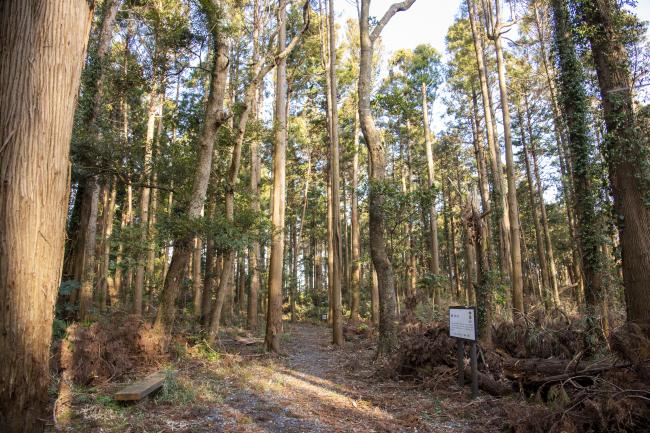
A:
(109, 349)
(568, 385)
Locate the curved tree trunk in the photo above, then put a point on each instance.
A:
(377, 175)
(214, 118)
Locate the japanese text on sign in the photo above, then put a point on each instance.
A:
(462, 323)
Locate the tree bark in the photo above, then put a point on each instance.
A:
(90, 243)
(433, 215)
(43, 47)
(377, 175)
(145, 195)
(501, 206)
(513, 209)
(214, 117)
(335, 234)
(626, 153)
(278, 194)
(355, 229)
(574, 102)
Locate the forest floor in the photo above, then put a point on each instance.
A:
(311, 387)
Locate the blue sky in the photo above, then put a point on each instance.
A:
(426, 21)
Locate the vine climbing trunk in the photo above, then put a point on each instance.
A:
(627, 153)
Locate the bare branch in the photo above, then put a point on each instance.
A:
(392, 10)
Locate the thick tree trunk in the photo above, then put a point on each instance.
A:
(626, 153)
(43, 47)
(374, 296)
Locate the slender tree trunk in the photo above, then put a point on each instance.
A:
(541, 251)
(145, 195)
(482, 172)
(335, 234)
(574, 102)
(118, 295)
(254, 253)
(43, 47)
(433, 229)
(356, 230)
(293, 284)
(197, 282)
(278, 194)
(107, 283)
(560, 139)
(214, 118)
(209, 275)
(513, 209)
(501, 212)
(484, 294)
(552, 271)
(90, 242)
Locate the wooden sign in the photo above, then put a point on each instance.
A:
(462, 323)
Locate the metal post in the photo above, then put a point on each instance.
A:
(460, 354)
(474, 367)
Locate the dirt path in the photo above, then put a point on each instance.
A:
(312, 388)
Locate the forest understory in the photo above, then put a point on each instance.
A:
(267, 208)
(538, 378)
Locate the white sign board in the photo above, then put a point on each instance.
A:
(462, 323)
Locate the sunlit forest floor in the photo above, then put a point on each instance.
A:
(311, 387)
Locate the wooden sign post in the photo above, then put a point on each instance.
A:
(462, 327)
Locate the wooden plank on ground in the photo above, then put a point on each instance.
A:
(248, 340)
(142, 388)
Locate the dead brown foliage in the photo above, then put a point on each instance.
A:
(109, 349)
(570, 385)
